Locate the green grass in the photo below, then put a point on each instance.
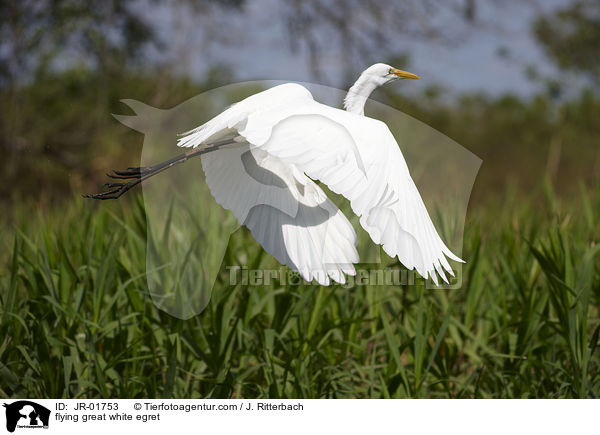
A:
(77, 320)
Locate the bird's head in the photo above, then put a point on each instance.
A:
(380, 73)
(370, 79)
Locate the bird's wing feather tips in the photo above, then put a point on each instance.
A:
(355, 156)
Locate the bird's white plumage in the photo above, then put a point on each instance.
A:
(355, 156)
(287, 213)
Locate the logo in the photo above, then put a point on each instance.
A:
(253, 187)
(26, 414)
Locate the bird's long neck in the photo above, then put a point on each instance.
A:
(358, 94)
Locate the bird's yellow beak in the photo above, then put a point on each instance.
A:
(403, 74)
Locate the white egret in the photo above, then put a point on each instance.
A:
(261, 155)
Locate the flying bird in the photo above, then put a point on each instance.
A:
(262, 156)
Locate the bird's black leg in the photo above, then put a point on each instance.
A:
(137, 175)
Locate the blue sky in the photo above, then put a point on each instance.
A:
(256, 47)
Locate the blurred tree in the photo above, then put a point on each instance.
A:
(63, 63)
(42, 35)
(364, 29)
(571, 37)
(38, 35)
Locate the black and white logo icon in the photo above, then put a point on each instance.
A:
(25, 414)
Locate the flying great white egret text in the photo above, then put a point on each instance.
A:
(261, 155)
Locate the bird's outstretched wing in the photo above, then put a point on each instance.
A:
(287, 213)
(355, 156)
